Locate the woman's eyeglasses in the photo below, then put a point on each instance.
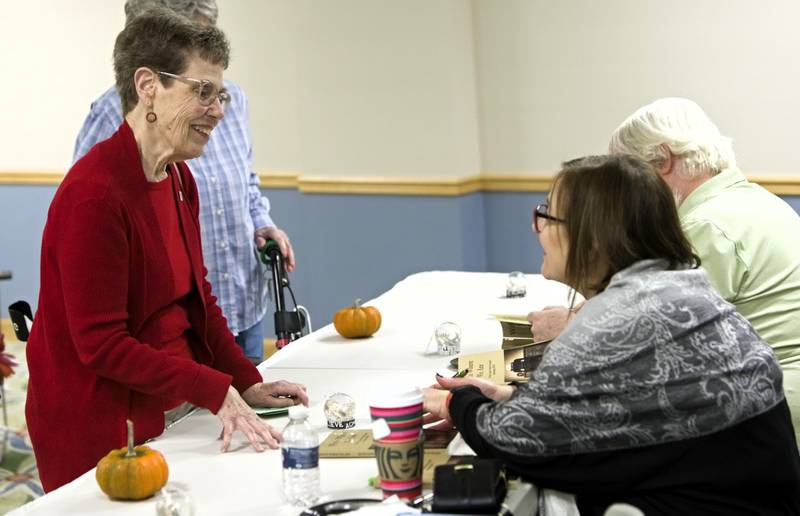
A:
(205, 90)
(539, 213)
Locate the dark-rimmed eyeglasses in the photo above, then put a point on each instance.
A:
(205, 90)
(540, 213)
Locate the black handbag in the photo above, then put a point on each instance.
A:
(475, 487)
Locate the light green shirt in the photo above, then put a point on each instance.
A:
(749, 242)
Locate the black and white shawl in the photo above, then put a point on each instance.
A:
(657, 357)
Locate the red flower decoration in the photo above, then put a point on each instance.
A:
(7, 363)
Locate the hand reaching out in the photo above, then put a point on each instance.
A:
(276, 394)
(489, 389)
(235, 414)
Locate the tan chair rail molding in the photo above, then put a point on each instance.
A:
(7, 329)
(424, 186)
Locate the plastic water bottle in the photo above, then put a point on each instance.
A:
(300, 450)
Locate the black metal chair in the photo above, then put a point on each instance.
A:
(21, 319)
(20, 313)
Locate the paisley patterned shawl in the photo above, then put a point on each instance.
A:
(657, 357)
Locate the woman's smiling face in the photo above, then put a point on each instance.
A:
(184, 122)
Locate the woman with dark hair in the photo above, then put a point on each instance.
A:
(658, 393)
(127, 327)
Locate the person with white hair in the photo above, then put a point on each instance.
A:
(747, 238)
(234, 216)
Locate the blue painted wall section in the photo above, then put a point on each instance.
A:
(794, 202)
(23, 211)
(511, 243)
(358, 246)
(348, 246)
(472, 237)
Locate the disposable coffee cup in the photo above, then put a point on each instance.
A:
(400, 467)
(401, 407)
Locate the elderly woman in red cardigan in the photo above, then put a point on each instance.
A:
(127, 327)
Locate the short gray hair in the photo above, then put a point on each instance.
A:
(188, 8)
(162, 40)
(684, 128)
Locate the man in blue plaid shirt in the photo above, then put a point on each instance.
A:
(234, 216)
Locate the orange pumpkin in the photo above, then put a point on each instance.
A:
(132, 473)
(357, 321)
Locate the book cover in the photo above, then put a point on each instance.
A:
(512, 364)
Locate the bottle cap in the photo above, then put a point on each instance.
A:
(298, 412)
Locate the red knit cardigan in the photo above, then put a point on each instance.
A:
(94, 351)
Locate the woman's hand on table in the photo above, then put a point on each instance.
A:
(436, 407)
(489, 389)
(235, 414)
(276, 394)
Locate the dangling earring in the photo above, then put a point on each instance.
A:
(151, 117)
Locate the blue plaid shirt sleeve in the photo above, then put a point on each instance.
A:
(103, 119)
(259, 205)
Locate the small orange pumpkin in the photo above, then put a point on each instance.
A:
(132, 473)
(357, 321)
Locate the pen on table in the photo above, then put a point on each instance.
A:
(460, 374)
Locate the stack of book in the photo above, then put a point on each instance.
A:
(519, 354)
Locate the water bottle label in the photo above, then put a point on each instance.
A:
(301, 458)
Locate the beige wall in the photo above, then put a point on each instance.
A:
(264, 61)
(422, 88)
(358, 87)
(556, 78)
(56, 59)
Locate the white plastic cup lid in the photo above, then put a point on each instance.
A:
(394, 396)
